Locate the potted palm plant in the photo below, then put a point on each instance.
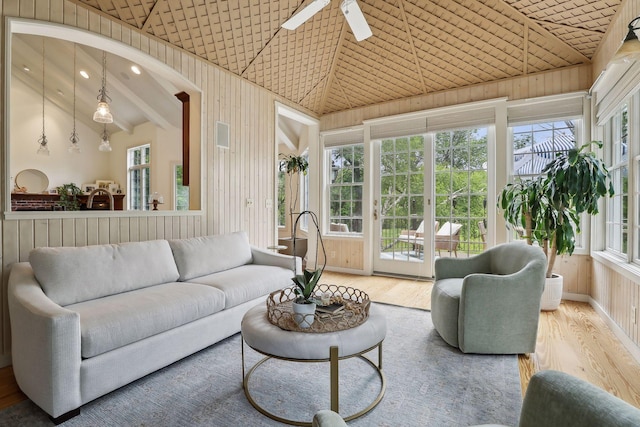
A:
(304, 306)
(294, 166)
(548, 208)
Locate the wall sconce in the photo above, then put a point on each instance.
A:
(156, 199)
(630, 48)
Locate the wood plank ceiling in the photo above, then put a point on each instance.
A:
(417, 47)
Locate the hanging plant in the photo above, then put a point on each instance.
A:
(293, 165)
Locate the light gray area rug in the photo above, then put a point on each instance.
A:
(429, 383)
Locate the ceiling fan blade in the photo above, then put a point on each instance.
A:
(301, 17)
(356, 19)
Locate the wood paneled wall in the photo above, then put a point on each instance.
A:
(566, 80)
(344, 253)
(617, 294)
(246, 170)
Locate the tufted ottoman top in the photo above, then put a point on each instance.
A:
(267, 338)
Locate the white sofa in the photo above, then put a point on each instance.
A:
(87, 320)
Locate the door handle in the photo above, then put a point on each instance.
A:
(375, 214)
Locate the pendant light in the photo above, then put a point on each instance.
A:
(104, 144)
(74, 139)
(103, 112)
(44, 148)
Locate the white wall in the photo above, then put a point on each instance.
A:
(61, 167)
(166, 149)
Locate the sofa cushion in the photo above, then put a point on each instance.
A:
(74, 274)
(245, 283)
(117, 320)
(200, 256)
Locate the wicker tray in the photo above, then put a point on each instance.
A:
(356, 311)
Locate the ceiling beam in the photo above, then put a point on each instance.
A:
(332, 70)
(407, 29)
(547, 33)
(152, 16)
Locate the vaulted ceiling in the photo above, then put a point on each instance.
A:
(417, 47)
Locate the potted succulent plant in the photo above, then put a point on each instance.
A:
(304, 305)
(293, 166)
(548, 208)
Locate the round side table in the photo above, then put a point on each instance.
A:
(274, 342)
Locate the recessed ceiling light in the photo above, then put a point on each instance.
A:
(136, 70)
(26, 68)
(84, 74)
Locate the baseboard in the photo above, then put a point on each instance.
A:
(576, 297)
(346, 270)
(617, 330)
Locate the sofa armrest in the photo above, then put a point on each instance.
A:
(555, 399)
(45, 341)
(266, 257)
(457, 268)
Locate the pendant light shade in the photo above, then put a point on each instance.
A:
(42, 141)
(103, 112)
(104, 143)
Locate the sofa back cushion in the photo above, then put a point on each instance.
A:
(70, 275)
(199, 256)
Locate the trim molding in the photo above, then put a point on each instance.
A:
(618, 332)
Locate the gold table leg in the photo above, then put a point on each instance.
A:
(335, 393)
(333, 362)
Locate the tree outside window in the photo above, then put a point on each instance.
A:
(346, 182)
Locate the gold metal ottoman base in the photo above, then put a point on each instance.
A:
(334, 375)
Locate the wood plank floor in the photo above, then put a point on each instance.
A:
(573, 339)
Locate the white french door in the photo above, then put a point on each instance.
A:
(402, 206)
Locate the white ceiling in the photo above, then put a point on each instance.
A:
(135, 99)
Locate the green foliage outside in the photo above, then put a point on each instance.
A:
(460, 180)
(182, 192)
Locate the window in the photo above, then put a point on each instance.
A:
(535, 145)
(282, 196)
(461, 182)
(616, 141)
(346, 180)
(304, 189)
(138, 177)
(180, 192)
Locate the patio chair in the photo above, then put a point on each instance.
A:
(338, 227)
(447, 238)
(415, 237)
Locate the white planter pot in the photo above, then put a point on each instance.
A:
(552, 294)
(304, 314)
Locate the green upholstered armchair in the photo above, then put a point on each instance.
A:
(490, 303)
(553, 399)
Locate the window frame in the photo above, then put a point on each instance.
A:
(582, 239)
(329, 185)
(138, 167)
